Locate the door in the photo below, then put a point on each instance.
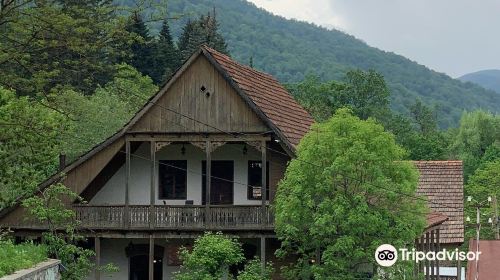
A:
(221, 183)
(139, 268)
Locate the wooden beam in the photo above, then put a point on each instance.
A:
(151, 256)
(208, 178)
(127, 182)
(197, 137)
(152, 186)
(97, 247)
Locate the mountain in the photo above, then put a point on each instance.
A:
(489, 79)
(291, 49)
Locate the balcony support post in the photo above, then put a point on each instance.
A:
(208, 178)
(152, 186)
(263, 189)
(151, 257)
(97, 248)
(126, 213)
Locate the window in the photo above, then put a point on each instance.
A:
(255, 180)
(173, 179)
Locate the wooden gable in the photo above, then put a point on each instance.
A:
(200, 93)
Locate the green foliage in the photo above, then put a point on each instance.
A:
(29, 137)
(478, 130)
(167, 56)
(424, 117)
(198, 32)
(253, 271)
(210, 258)
(290, 50)
(142, 48)
(20, 256)
(54, 44)
(483, 183)
(62, 238)
(346, 193)
(100, 115)
(365, 93)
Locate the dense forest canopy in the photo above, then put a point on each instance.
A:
(291, 50)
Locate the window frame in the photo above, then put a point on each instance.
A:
(249, 190)
(160, 187)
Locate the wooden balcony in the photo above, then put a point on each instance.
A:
(160, 217)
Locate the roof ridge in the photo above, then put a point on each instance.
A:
(230, 59)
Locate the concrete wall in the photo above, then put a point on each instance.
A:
(48, 270)
(114, 190)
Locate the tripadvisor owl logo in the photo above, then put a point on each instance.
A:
(386, 255)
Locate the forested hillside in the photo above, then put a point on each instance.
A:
(290, 50)
(489, 79)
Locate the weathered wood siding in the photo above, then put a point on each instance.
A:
(76, 179)
(277, 165)
(223, 109)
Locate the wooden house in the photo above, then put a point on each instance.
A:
(146, 187)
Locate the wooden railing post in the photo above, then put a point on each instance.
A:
(263, 188)
(152, 187)
(126, 218)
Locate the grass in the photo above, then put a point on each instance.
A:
(14, 257)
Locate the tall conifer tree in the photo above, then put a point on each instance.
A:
(201, 31)
(167, 57)
(142, 48)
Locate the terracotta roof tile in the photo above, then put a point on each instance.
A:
(269, 96)
(442, 183)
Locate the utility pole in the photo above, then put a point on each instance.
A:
(478, 206)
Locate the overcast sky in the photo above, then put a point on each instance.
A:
(451, 36)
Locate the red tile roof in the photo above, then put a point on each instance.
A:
(269, 96)
(442, 183)
(488, 260)
(434, 219)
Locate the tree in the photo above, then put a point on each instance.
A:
(483, 183)
(199, 32)
(478, 130)
(62, 239)
(100, 115)
(365, 93)
(61, 44)
(142, 48)
(29, 137)
(167, 58)
(424, 117)
(210, 258)
(346, 193)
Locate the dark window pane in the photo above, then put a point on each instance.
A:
(255, 180)
(173, 179)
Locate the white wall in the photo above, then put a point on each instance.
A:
(113, 251)
(114, 190)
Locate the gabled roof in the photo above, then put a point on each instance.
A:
(442, 183)
(268, 95)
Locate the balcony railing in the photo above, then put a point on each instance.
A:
(163, 217)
